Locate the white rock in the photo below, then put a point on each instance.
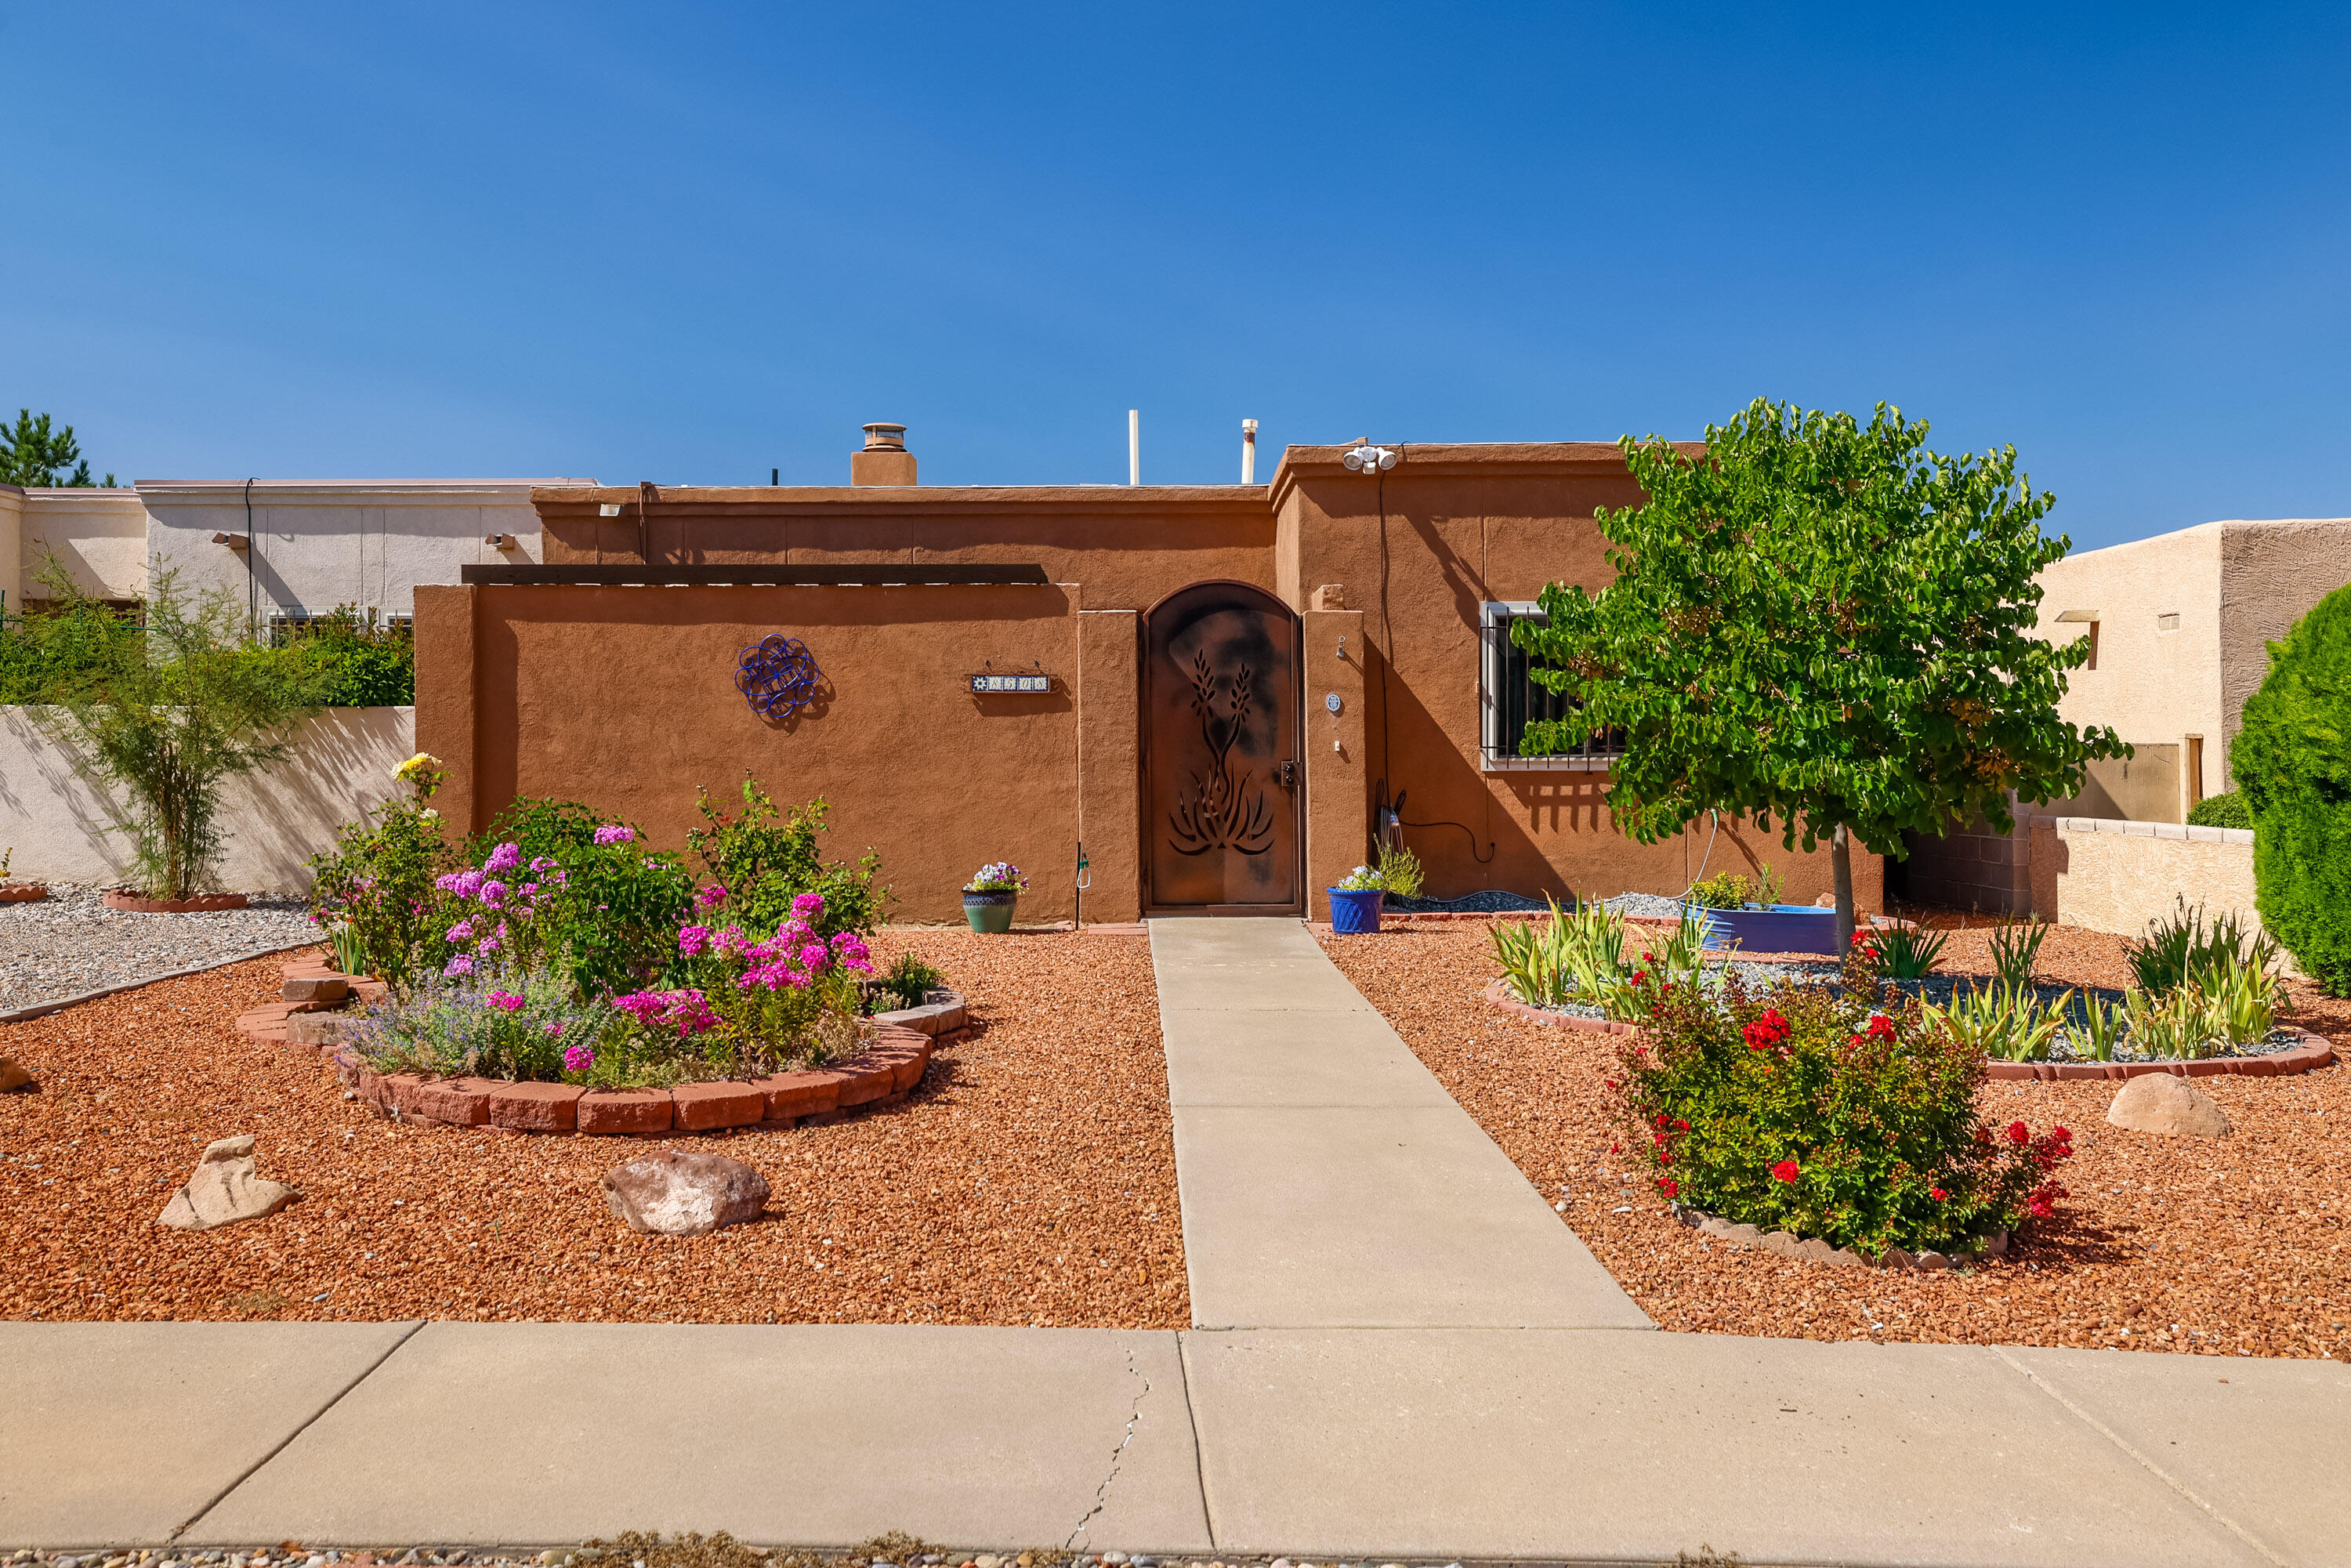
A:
(223, 1189)
(675, 1193)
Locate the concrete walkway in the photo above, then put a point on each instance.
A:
(1413, 1357)
(1328, 1180)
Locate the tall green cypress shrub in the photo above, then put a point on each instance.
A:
(2293, 761)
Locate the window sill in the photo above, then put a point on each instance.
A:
(1547, 764)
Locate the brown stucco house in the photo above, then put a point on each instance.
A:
(1215, 690)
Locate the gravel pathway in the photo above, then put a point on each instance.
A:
(1030, 1179)
(70, 943)
(2234, 1247)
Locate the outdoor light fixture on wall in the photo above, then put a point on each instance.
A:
(233, 541)
(1370, 459)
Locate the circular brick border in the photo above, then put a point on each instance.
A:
(208, 903)
(2313, 1052)
(24, 893)
(885, 1070)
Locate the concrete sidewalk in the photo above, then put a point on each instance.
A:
(1574, 1446)
(1328, 1180)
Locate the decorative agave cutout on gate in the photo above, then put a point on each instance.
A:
(1221, 811)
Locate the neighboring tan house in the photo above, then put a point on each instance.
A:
(286, 550)
(2180, 627)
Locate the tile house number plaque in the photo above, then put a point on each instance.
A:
(1013, 683)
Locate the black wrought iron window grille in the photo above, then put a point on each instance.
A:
(1509, 699)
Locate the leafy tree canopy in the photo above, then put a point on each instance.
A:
(32, 454)
(1822, 624)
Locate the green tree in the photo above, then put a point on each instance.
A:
(2292, 765)
(168, 719)
(31, 454)
(1822, 624)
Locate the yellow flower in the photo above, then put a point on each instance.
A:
(415, 764)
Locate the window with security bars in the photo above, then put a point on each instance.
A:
(1509, 699)
(286, 625)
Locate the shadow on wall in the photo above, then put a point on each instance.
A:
(64, 829)
(59, 827)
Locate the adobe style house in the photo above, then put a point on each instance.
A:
(1211, 692)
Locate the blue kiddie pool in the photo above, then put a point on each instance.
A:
(1776, 928)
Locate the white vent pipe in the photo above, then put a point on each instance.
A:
(1249, 452)
(1134, 447)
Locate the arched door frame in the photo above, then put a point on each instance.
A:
(1145, 708)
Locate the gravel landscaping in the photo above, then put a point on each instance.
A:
(2237, 1246)
(1030, 1179)
(68, 944)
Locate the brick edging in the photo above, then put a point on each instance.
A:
(888, 1068)
(2313, 1052)
(24, 892)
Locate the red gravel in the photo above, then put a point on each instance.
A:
(2240, 1242)
(1030, 1179)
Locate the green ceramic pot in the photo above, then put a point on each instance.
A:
(990, 913)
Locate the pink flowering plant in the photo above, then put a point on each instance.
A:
(787, 999)
(502, 1024)
(1795, 1109)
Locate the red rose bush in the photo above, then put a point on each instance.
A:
(1797, 1109)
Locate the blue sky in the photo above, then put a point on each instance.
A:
(692, 243)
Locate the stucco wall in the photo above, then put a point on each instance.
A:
(2234, 585)
(12, 550)
(2105, 875)
(2271, 575)
(2152, 685)
(624, 698)
(62, 828)
(1130, 546)
(364, 542)
(99, 537)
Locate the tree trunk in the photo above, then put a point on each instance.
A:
(1841, 863)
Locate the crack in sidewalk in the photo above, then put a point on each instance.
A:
(1117, 1457)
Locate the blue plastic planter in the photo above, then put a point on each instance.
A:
(1354, 913)
(1780, 929)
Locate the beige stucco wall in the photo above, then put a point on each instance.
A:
(2235, 585)
(59, 825)
(2104, 875)
(12, 550)
(368, 542)
(2271, 575)
(99, 537)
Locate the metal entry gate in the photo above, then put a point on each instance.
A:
(1221, 787)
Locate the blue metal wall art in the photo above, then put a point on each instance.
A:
(778, 678)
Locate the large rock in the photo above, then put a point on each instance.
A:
(678, 1193)
(12, 1075)
(224, 1189)
(2159, 1103)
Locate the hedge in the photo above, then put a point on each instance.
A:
(2293, 764)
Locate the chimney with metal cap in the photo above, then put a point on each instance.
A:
(886, 460)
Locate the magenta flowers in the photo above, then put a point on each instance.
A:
(505, 1001)
(686, 1011)
(614, 833)
(577, 1058)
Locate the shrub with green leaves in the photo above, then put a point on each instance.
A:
(2180, 947)
(1730, 890)
(165, 720)
(375, 891)
(908, 983)
(2228, 811)
(765, 857)
(616, 917)
(1795, 1110)
(2293, 764)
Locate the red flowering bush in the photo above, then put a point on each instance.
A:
(1796, 1109)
